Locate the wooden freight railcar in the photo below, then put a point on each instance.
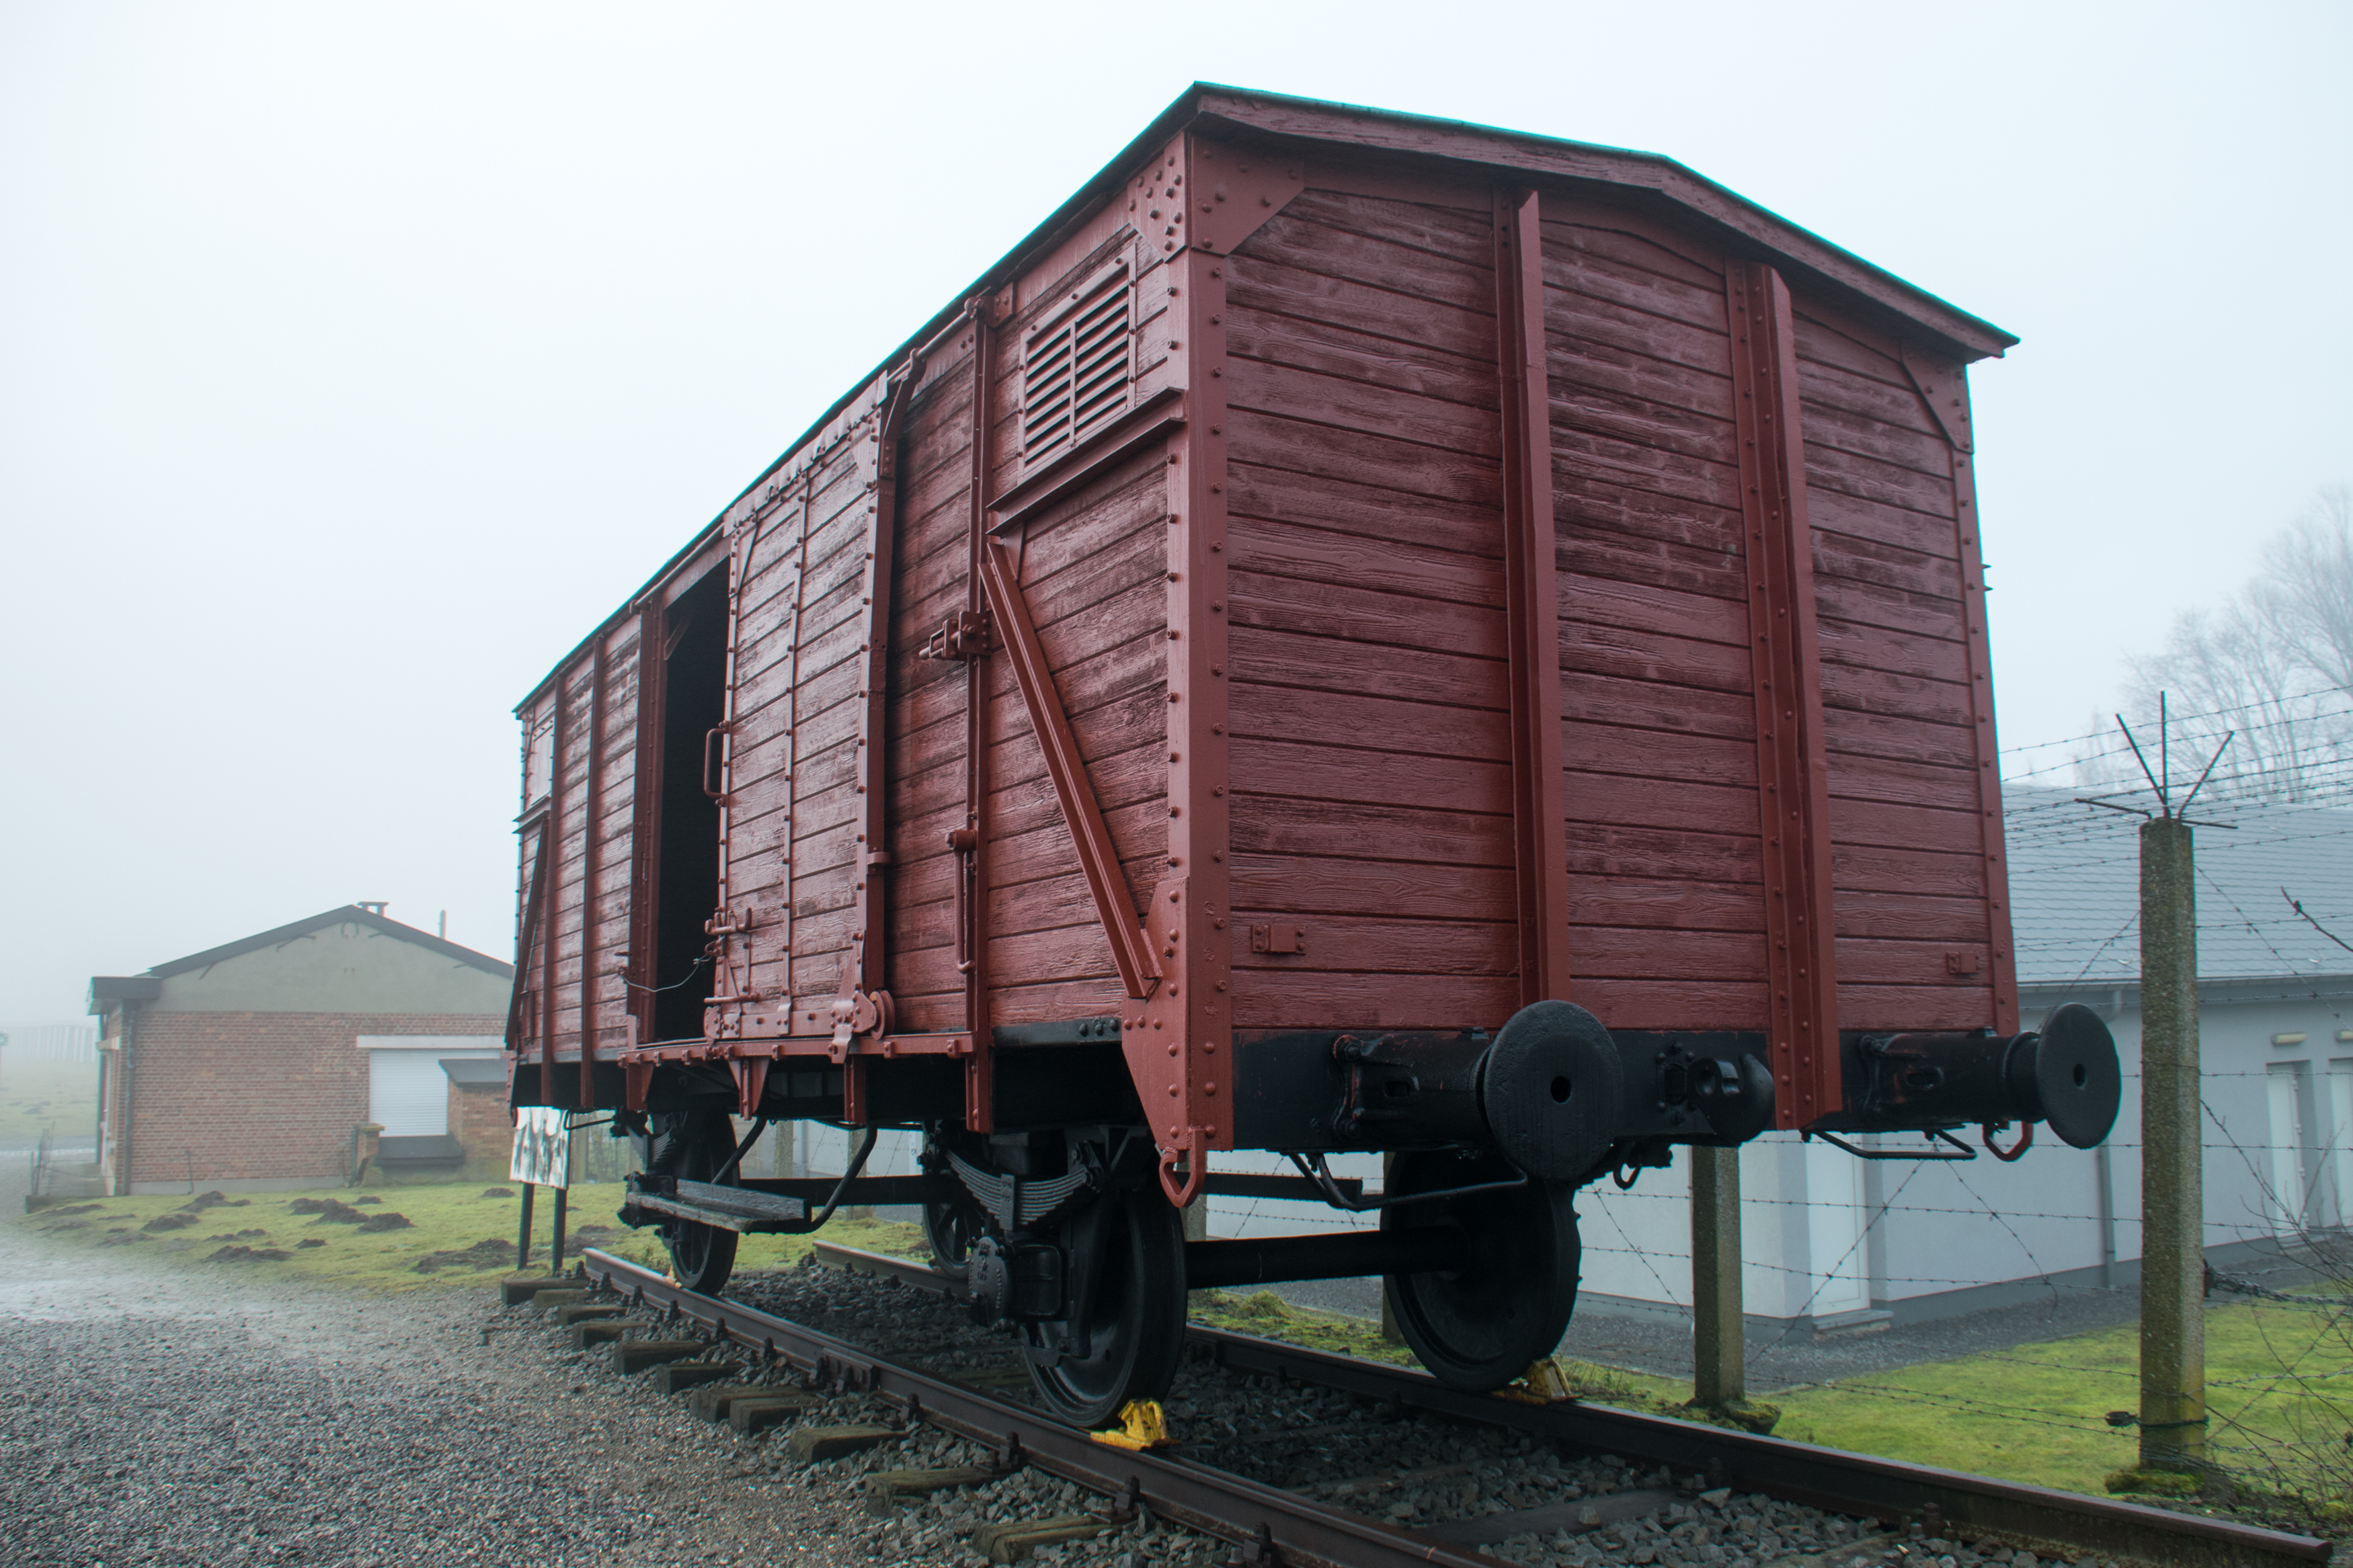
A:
(1362, 633)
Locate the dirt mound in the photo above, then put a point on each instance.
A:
(179, 1219)
(365, 1200)
(385, 1221)
(498, 1191)
(214, 1200)
(249, 1255)
(487, 1253)
(313, 1241)
(330, 1211)
(78, 1208)
(592, 1235)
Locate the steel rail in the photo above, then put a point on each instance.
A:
(1273, 1526)
(2038, 1517)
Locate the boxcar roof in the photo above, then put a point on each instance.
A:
(1646, 179)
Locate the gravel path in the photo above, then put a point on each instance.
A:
(153, 1417)
(199, 1417)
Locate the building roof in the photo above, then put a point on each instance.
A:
(2074, 885)
(345, 914)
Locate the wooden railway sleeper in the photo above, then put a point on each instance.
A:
(1197, 1496)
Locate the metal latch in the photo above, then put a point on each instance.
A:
(964, 637)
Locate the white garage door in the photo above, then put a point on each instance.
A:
(409, 1093)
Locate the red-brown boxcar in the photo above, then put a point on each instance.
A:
(1362, 633)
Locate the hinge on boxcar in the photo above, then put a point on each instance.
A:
(964, 637)
(1278, 938)
(861, 1012)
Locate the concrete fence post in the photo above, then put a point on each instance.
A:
(2173, 1203)
(1719, 1346)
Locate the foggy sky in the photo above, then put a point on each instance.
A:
(354, 361)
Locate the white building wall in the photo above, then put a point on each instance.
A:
(1824, 1233)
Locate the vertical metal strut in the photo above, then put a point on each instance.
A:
(1792, 772)
(1531, 603)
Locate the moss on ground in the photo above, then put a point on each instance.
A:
(2280, 1388)
(456, 1234)
(1269, 1316)
(2279, 1396)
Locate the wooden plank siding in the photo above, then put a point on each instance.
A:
(1911, 880)
(1272, 597)
(1093, 572)
(590, 919)
(789, 785)
(1666, 876)
(1370, 753)
(1371, 796)
(923, 736)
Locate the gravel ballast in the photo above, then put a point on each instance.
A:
(173, 1416)
(1322, 1444)
(161, 1415)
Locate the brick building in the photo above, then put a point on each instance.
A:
(479, 1118)
(258, 1065)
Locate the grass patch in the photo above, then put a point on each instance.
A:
(2280, 1380)
(33, 1095)
(1269, 1316)
(2279, 1388)
(337, 1236)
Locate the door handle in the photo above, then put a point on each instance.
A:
(709, 736)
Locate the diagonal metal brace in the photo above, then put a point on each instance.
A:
(1139, 972)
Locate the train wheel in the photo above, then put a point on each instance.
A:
(1478, 1329)
(694, 1145)
(1134, 1317)
(701, 1255)
(949, 1229)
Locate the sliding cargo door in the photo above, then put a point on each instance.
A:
(786, 755)
(579, 830)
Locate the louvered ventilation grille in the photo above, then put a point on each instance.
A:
(1076, 373)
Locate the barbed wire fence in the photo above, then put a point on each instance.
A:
(2275, 900)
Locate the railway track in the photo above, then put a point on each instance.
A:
(1277, 1524)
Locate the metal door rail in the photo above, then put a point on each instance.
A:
(1281, 1527)
(1858, 1484)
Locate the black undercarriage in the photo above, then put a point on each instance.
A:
(1057, 1227)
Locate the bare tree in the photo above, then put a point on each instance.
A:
(2306, 592)
(2274, 664)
